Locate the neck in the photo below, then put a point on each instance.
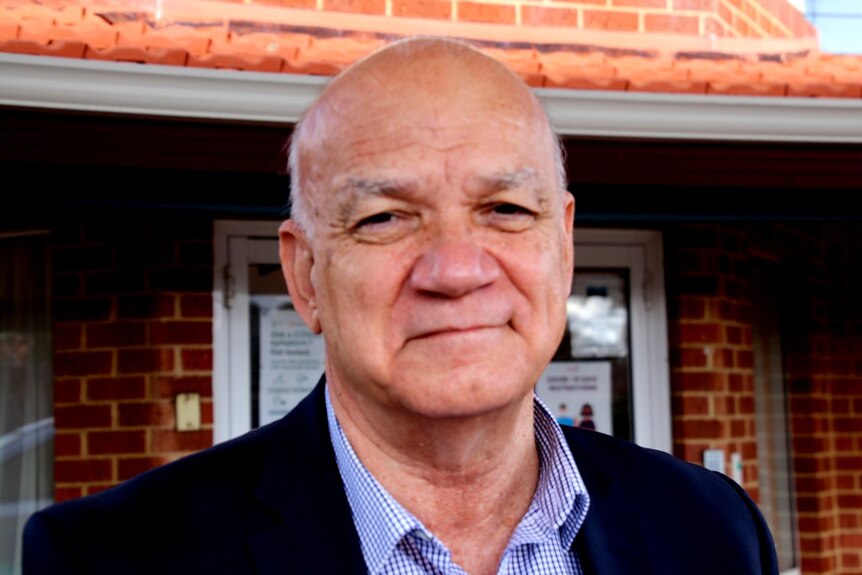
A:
(469, 480)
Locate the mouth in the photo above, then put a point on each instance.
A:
(456, 331)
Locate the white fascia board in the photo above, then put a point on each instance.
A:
(226, 95)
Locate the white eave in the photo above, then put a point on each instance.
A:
(225, 95)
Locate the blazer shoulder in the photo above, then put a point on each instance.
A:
(682, 510)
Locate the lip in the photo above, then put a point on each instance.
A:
(454, 331)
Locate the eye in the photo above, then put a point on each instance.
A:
(384, 227)
(376, 219)
(511, 210)
(510, 217)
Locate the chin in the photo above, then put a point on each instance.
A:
(462, 397)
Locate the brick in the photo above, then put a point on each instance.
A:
(145, 360)
(699, 429)
(853, 463)
(207, 412)
(735, 382)
(77, 363)
(67, 336)
(180, 332)
(197, 359)
(849, 501)
(359, 6)
(640, 3)
(698, 381)
(697, 5)
(441, 9)
(116, 334)
(691, 308)
(610, 20)
(93, 489)
(722, 405)
(196, 306)
(67, 391)
(157, 414)
(146, 306)
(168, 387)
(67, 445)
(700, 333)
(169, 441)
(117, 281)
(481, 12)
(542, 16)
(113, 442)
(66, 286)
(128, 467)
(67, 493)
(116, 388)
(689, 357)
(673, 23)
(196, 254)
(733, 334)
(690, 405)
(746, 405)
(81, 471)
(697, 285)
(82, 416)
(181, 279)
(82, 310)
(145, 253)
(82, 258)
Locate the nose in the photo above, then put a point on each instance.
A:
(454, 264)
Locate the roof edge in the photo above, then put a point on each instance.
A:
(225, 95)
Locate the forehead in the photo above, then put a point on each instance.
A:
(380, 121)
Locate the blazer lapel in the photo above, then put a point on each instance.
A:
(611, 540)
(312, 528)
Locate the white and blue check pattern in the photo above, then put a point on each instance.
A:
(394, 542)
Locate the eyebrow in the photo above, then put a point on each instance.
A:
(354, 188)
(509, 179)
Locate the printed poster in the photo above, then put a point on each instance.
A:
(578, 393)
(291, 358)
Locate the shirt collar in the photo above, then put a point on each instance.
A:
(558, 508)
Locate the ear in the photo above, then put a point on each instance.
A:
(297, 263)
(569, 229)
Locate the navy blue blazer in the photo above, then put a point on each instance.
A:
(272, 502)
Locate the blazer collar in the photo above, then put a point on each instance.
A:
(313, 531)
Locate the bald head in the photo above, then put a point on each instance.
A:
(412, 84)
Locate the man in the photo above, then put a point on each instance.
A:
(431, 245)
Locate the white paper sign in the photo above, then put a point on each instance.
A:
(291, 359)
(578, 393)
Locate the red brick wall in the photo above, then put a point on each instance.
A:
(712, 376)
(746, 18)
(132, 328)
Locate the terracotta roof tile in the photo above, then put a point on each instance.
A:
(237, 61)
(226, 42)
(667, 86)
(67, 49)
(825, 90)
(731, 88)
(164, 56)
